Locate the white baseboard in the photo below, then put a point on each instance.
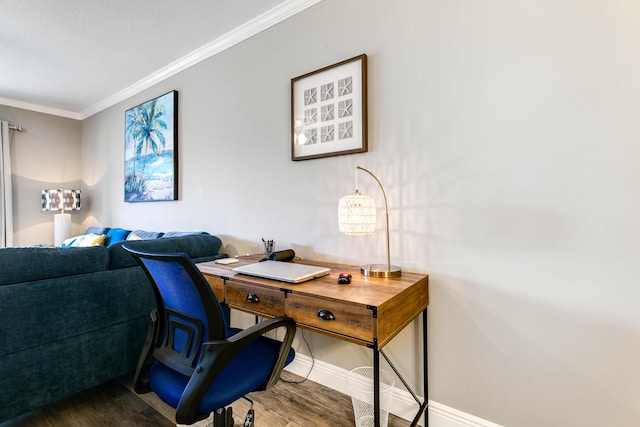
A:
(403, 405)
(445, 416)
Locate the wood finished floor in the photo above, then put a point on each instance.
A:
(115, 405)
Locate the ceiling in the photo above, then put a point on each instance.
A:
(74, 58)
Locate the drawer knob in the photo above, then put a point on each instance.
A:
(326, 315)
(253, 298)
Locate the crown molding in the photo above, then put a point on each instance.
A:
(260, 23)
(40, 108)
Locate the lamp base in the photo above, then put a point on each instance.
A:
(61, 228)
(380, 270)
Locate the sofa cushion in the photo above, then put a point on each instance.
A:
(50, 310)
(144, 235)
(183, 233)
(97, 230)
(202, 247)
(28, 264)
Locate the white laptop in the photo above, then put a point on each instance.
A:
(284, 271)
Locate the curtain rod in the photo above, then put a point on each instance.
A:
(16, 127)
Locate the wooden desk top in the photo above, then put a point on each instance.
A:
(369, 311)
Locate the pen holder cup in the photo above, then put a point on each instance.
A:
(269, 247)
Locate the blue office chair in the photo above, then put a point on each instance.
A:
(191, 359)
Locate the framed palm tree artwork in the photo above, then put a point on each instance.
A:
(151, 150)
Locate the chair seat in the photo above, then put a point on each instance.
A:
(256, 360)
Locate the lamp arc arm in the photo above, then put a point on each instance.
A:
(386, 207)
(386, 210)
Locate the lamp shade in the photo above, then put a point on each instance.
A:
(356, 215)
(61, 200)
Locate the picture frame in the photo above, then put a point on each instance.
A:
(151, 150)
(329, 111)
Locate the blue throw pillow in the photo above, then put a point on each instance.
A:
(115, 235)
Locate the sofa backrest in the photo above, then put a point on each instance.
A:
(25, 264)
(199, 247)
(115, 234)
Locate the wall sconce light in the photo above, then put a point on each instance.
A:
(357, 217)
(61, 200)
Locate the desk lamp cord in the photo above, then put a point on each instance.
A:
(313, 362)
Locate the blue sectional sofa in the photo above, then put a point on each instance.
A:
(73, 318)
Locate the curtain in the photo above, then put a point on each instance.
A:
(6, 205)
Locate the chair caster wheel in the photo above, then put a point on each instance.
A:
(248, 421)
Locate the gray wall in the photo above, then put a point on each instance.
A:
(506, 136)
(46, 154)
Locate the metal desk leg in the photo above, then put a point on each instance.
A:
(425, 404)
(423, 407)
(425, 367)
(376, 387)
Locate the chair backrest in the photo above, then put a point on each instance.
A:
(188, 312)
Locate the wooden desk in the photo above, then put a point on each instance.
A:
(370, 311)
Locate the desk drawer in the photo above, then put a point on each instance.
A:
(254, 299)
(217, 284)
(349, 320)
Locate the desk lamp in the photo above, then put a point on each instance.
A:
(357, 217)
(61, 200)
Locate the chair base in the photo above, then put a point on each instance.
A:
(223, 417)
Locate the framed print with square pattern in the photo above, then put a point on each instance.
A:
(329, 111)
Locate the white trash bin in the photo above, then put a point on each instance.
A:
(361, 386)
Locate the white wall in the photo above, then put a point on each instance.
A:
(46, 154)
(505, 133)
(533, 140)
